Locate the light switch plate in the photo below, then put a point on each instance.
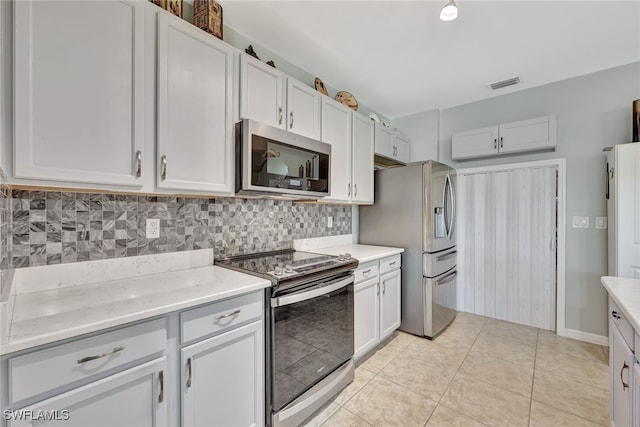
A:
(601, 222)
(580, 222)
(329, 222)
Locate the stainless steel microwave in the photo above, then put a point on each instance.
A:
(272, 161)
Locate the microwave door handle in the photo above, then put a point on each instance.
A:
(313, 293)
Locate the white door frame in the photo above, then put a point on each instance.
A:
(561, 165)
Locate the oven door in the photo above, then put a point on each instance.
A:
(312, 336)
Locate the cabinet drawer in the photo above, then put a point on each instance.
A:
(45, 370)
(618, 319)
(389, 264)
(220, 316)
(366, 271)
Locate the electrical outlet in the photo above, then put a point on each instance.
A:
(153, 228)
(601, 222)
(580, 222)
(329, 221)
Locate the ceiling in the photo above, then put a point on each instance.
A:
(398, 58)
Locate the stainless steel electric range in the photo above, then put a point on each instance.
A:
(309, 332)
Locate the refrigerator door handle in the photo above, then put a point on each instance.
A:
(450, 211)
(444, 207)
(452, 194)
(446, 279)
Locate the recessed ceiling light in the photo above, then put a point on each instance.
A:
(449, 11)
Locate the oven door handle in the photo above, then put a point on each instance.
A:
(313, 293)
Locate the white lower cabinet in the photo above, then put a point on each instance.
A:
(377, 303)
(389, 303)
(144, 375)
(621, 367)
(222, 379)
(367, 313)
(134, 397)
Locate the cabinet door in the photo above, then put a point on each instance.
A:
(135, 397)
(402, 148)
(195, 125)
(474, 143)
(336, 130)
(261, 92)
(621, 377)
(303, 109)
(383, 141)
(223, 379)
(389, 303)
(362, 162)
(79, 91)
(366, 318)
(527, 135)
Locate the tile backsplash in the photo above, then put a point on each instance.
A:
(52, 227)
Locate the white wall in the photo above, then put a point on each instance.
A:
(594, 111)
(422, 130)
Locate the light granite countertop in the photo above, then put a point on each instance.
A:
(626, 293)
(49, 315)
(363, 253)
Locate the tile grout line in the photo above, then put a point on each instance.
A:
(453, 377)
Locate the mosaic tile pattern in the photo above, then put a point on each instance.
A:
(5, 200)
(63, 227)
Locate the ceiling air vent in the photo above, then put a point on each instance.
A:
(504, 83)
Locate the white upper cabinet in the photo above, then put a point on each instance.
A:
(475, 143)
(383, 141)
(79, 91)
(195, 107)
(303, 109)
(261, 92)
(402, 147)
(336, 130)
(526, 135)
(391, 144)
(362, 161)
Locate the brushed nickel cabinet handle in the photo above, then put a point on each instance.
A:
(163, 161)
(161, 378)
(624, 385)
(495, 143)
(501, 142)
(280, 115)
(615, 314)
(355, 190)
(391, 264)
(349, 189)
(384, 286)
(100, 356)
(138, 164)
(233, 313)
(291, 120)
(366, 272)
(189, 372)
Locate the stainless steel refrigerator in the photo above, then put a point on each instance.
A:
(415, 208)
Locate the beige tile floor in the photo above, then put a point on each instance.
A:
(479, 372)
